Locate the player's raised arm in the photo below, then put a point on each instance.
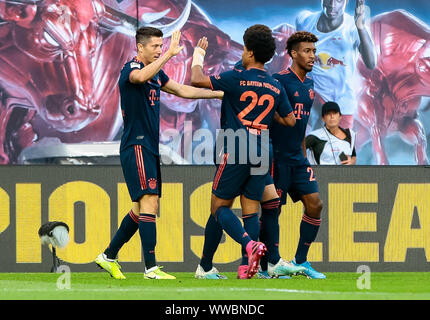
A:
(198, 78)
(154, 46)
(189, 92)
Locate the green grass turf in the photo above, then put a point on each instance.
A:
(99, 285)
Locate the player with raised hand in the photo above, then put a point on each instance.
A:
(140, 82)
(278, 268)
(251, 97)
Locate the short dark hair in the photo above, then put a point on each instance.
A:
(143, 34)
(298, 37)
(258, 39)
(330, 106)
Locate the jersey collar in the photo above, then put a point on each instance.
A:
(259, 69)
(302, 80)
(136, 59)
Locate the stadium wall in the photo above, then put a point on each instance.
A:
(374, 216)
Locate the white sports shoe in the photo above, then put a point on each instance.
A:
(283, 268)
(211, 274)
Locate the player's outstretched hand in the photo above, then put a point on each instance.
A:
(174, 48)
(200, 52)
(203, 43)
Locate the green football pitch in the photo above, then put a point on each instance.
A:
(99, 285)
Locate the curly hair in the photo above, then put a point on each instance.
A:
(258, 39)
(298, 37)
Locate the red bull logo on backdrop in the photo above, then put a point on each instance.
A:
(327, 62)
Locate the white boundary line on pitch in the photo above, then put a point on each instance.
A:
(147, 289)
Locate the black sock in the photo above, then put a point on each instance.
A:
(252, 227)
(232, 226)
(269, 234)
(127, 229)
(308, 232)
(148, 237)
(213, 235)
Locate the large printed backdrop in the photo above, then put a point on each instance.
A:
(60, 61)
(377, 217)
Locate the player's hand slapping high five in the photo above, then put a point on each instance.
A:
(174, 47)
(200, 52)
(203, 43)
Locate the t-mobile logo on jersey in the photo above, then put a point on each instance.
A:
(153, 96)
(299, 112)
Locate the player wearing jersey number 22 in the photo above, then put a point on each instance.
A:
(251, 99)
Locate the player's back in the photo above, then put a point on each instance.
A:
(251, 98)
(287, 141)
(238, 67)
